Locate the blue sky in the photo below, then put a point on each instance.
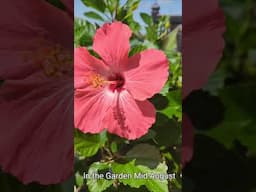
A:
(168, 7)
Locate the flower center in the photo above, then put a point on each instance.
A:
(54, 60)
(57, 61)
(116, 82)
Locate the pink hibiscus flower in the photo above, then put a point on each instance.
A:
(111, 92)
(36, 98)
(203, 44)
(202, 41)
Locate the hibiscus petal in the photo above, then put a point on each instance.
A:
(111, 42)
(147, 74)
(22, 32)
(36, 115)
(90, 110)
(14, 65)
(85, 64)
(203, 43)
(129, 118)
(36, 145)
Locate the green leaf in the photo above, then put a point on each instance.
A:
(114, 147)
(175, 105)
(175, 69)
(150, 45)
(96, 4)
(150, 135)
(168, 131)
(152, 184)
(134, 5)
(169, 104)
(216, 82)
(84, 32)
(134, 25)
(160, 102)
(171, 40)
(165, 89)
(145, 154)
(87, 145)
(79, 179)
(93, 15)
(152, 33)
(147, 19)
(98, 185)
(239, 122)
(136, 49)
(130, 6)
(112, 5)
(156, 180)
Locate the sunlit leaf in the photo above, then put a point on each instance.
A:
(152, 184)
(239, 123)
(96, 4)
(98, 185)
(87, 145)
(147, 18)
(93, 15)
(171, 40)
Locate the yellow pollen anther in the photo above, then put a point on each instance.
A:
(97, 81)
(54, 60)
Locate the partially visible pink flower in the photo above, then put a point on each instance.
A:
(203, 44)
(202, 41)
(111, 92)
(187, 140)
(36, 98)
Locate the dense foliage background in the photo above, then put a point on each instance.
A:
(224, 112)
(156, 152)
(159, 150)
